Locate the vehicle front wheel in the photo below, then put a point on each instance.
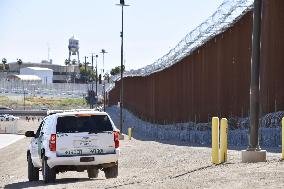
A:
(33, 172)
(93, 172)
(48, 174)
(111, 172)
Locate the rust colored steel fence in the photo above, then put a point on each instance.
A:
(214, 80)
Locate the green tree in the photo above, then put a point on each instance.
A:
(87, 74)
(107, 77)
(116, 70)
(80, 65)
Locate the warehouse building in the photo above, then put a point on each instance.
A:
(45, 74)
(25, 78)
(60, 72)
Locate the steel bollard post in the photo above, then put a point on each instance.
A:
(223, 140)
(215, 140)
(283, 138)
(129, 133)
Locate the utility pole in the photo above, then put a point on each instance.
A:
(92, 92)
(24, 96)
(122, 4)
(254, 152)
(97, 76)
(86, 69)
(103, 52)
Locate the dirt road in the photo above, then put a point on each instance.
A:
(149, 164)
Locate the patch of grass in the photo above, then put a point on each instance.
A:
(56, 102)
(49, 102)
(73, 101)
(4, 101)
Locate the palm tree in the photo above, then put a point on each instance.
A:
(20, 62)
(74, 62)
(67, 63)
(4, 62)
(80, 65)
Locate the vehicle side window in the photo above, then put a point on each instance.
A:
(39, 129)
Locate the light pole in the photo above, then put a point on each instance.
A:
(92, 93)
(122, 4)
(86, 69)
(97, 76)
(103, 52)
(253, 152)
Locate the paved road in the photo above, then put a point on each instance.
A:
(7, 139)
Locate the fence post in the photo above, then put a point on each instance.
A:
(224, 140)
(215, 140)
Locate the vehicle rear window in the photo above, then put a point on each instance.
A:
(73, 124)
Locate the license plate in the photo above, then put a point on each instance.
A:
(87, 159)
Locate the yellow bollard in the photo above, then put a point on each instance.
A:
(223, 140)
(283, 138)
(129, 133)
(215, 140)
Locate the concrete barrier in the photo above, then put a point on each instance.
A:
(24, 112)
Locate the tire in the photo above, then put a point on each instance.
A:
(48, 174)
(93, 173)
(33, 172)
(111, 172)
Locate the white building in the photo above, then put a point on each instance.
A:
(45, 74)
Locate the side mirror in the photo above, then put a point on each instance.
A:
(29, 134)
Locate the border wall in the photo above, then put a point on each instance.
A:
(214, 80)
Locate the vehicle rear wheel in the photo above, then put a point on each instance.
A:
(48, 174)
(33, 172)
(111, 172)
(93, 172)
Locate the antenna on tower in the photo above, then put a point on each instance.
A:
(48, 52)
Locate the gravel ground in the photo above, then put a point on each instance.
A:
(149, 164)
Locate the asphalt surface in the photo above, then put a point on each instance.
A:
(7, 139)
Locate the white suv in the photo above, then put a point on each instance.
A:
(74, 141)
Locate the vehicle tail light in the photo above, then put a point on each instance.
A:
(116, 139)
(52, 142)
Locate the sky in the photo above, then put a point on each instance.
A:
(151, 28)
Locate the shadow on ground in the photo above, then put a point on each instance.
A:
(27, 184)
(143, 137)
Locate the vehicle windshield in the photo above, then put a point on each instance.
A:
(75, 124)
